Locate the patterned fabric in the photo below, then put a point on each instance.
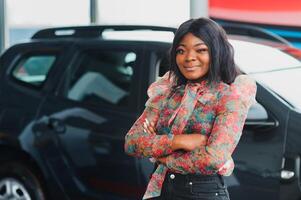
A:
(216, 110)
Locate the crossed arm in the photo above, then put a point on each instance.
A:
(142, 140)
(201, 154)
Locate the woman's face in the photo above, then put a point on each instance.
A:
(192, 57)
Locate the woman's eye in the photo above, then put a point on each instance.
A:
(202, 50)
(179, 51)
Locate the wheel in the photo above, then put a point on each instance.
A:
(18, 182)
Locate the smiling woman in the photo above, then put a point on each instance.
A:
(194, 116)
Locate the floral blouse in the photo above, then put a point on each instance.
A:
(217, 110)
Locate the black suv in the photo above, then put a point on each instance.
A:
(69, 96)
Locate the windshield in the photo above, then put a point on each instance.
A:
(255, 58)
(270, 66)
(284, 83)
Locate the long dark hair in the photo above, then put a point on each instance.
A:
(222, 66)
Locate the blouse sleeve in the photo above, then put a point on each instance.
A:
(140, 143)
(232, 111)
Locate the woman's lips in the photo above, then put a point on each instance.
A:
(190, 69)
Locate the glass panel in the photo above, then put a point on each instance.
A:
(103, 77)
(34, 69)
(284, 83)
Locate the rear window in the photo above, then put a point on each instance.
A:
(33, 69)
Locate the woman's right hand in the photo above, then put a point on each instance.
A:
(188, 142)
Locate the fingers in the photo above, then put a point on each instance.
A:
(149, 127)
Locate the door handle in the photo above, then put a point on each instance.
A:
(56, 125)
(290, 168)
(290, 178)
(287, 175)
(261, 125)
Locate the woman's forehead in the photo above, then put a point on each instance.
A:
(190, 39)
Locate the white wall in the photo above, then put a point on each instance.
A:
(24, 17)
(29, 13)
(153, 12)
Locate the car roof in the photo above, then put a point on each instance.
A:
(103, 32)
(250, 56)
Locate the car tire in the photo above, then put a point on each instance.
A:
(17, 181)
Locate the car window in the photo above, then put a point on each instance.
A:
(103, 77)
(33, 69)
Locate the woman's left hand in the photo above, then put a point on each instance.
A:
(149, 127)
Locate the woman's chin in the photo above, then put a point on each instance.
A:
(193, 78)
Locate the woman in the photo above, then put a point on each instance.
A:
(194, 116)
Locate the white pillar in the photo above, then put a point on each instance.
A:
(3, 26)
(198, 8)
(93, 12)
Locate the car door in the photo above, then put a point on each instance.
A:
(25, 70)
(259, 154)
(84, 123)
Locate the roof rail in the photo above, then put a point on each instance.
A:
(253, 31)
(92, 31)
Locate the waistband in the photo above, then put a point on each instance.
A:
(195, 177)
(196, 183)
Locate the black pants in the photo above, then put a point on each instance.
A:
(193, 187)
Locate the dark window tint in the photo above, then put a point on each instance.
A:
(103, 77)
(163, 66)
(33, 69)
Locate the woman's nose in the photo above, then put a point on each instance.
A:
(190, 56)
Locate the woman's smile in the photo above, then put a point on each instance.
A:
(191, 68)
